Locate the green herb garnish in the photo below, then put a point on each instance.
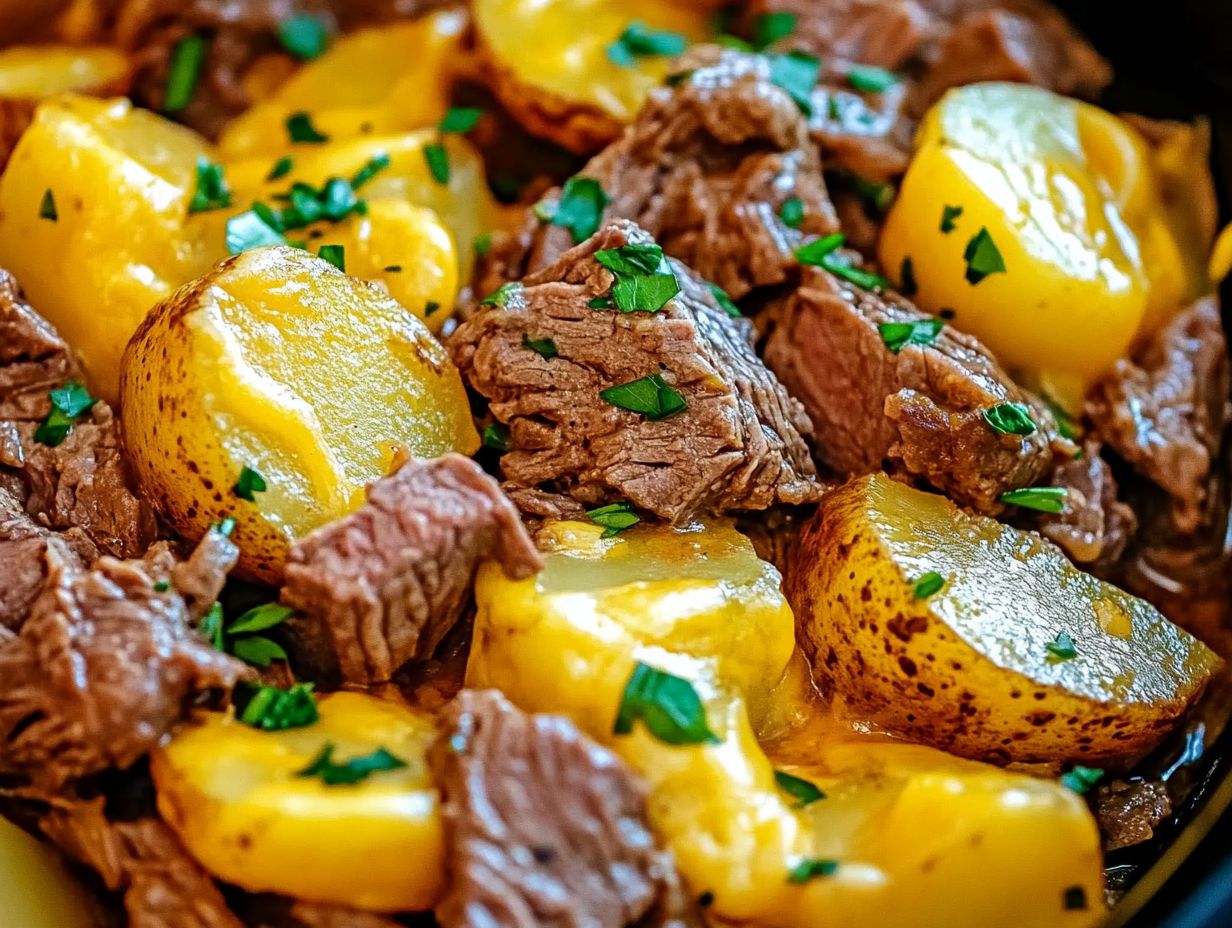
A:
(982, 257)
(1009, 419)
(811, 867)
(796, 73)
(580, 208)
(248, 483)
(898, 335)
(301, 129)
(375, 165)
(68, 404)
(502, 295)
(437, 159)
(240, 638)
(823, 252)
(640, 41)
(1061, 648)
(769, 28)
(211, 626)
(282, 167)
(544, 347)
(212, 191)
(496, 437)
(1043, 499)
(1066, 427)
(460, 119)
(335, 255)
(928, 584)
(258, 650)
(645, 281)
(948, 215)
(667, 705)
(726, 303)
(614, 518)
(304, 36)
(868, 78)
(187, 58)
(792, 212)
(349, 772)
(272, 709)
(482, 243)
(804, 792)
(223, 527)
(249, 230)
(47, 207)
(875, 195)
(1080, 779)
(649, 396)
(430, 307)
(162, 586)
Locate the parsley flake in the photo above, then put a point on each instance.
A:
(818, 249)
(667, 705)
(1061, 649)
(212, 191)
(482, 244)
(1080, 779)
(304, 36)
(648, 396)
(875, 196)
(1042, 499)
(335, 255)
(544, 347)
(898, 335)
(258, 650)
(349, 772)
(47, 207)
(769, 28)
(272, 709)
(1066, 427)
(726, 303)
(301, 129)
(948, 216)
(68, 404)
(374, 166)
(823, 252)
(162, 586)
(927, 585)
(792, 212)
(614, 518)
(869, 78)
(259, 618)
(804, 792)
(796, 73)
(187, 59)
(282, 167)
(640, 41)
(645, 282)
(437, 159)
(430, 307)
(982, 257)
(811, 867)
(248, 483)
(496, 437)
(224, 527)
(249, 230)
(580, 207)
(502, 295)
(460, 119)
(1009, 419)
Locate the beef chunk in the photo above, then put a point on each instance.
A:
(704, 168)
(543, 827)
(865, 133)
(102, 669)
(1129, 812)
(918, 412)
(33, 357)
(736, 446)
(24, 547)
(163, 886)
(385, 584)
(1165, 412)
(317, 915)
(1095, 527)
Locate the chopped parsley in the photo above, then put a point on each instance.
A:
(496, 437)
(818, 249)
(187, 58)
(907, 285)
(769, 28)
(306, 204)
(792, 212)
(823, 252)
(811, 867)
(335, 255)
(162, 586)
(667, 705)
(502, 295)
(898, 335)
(928, 584)
(460, 119)
(437, 159)
(1042, 499)
(430, 307)
(482, 243)
(224, 527)
(272, 709)
(544, 347)
(876, 196)
(868, 78)
(249, 230)
(374, 166)
(948, 216)
(248, 483)
(304, 36)
(211, 626)
(640, 41)
(580, 208)
(1061, 649)
(1009, 419)
(982, 257)
(804, 792)
(47, 207)
(241, 639)
(678, 78)
(282, 167)
(796, 73)
(301, 129)
(726, 303)
(645, 281)
(349, 772)
(648, 396)
(1066, 427)
(212, 191)
(68, 404)
(614, 518)
(1074, 899)
(258, 650)
(1080, 779)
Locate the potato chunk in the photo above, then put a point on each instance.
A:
(235, 797)
(985, 666)
(39, 892)
(277, 362)
(699, 604)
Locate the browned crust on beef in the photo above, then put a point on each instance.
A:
(1130, 811)
(1095, 527)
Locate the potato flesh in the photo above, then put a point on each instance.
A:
(701, 606)
(278, 362)
(36, 72)
(967, 669)
(232, 794)
(39, 892)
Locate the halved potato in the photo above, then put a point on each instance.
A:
(919, 839)
(233, 795)
(982, 666)
(278, 362)
(557, 78)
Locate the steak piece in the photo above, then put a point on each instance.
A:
(385, 584)
(1095, 527)
(24, 549)
(918, 412)
(704, 168)
(1165, 412)
(736, 446)
(104, 667)
(318, 915)
(1130, 811)
(163, 886)
(543, 827)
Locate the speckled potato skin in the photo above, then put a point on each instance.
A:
(967, 669)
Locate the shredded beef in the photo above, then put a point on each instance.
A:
(317, 915)
(24, 548)
(163, 886)
(543, 827)
(1095, 527)
(1165, 412)
(704, 168)
(736, 446)
(102, 669)
(385, 584)
(1129, 812)
(918, 412)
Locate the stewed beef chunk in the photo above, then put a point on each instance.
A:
(1130, 811)
(705, 168)
(543, 827)
(1165, 412)
(385, 584)
(920, 411)
(1095, 527)
(670, 410)
(106, 664)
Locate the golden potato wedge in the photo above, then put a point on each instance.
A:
(1018, 656)
(278, 362)
(559, 81)
(234, 795)
(39, 891)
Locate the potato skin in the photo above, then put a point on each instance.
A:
(966, 669)
(277, 361)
